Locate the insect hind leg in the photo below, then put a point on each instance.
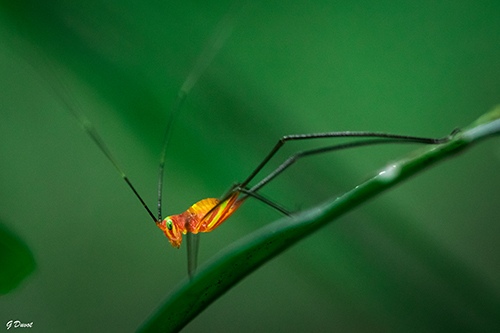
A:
(249, 193)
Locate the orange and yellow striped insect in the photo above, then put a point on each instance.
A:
(203, 216)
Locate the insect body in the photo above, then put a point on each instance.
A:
(203, 216)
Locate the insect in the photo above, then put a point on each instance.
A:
(208, 214)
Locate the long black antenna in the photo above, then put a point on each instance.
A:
(211, 48)
(64, 94)
(46, 69)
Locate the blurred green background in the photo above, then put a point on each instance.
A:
(424, 257)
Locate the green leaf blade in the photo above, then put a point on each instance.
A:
(244, 256)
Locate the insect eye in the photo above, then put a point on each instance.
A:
(170, 224)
